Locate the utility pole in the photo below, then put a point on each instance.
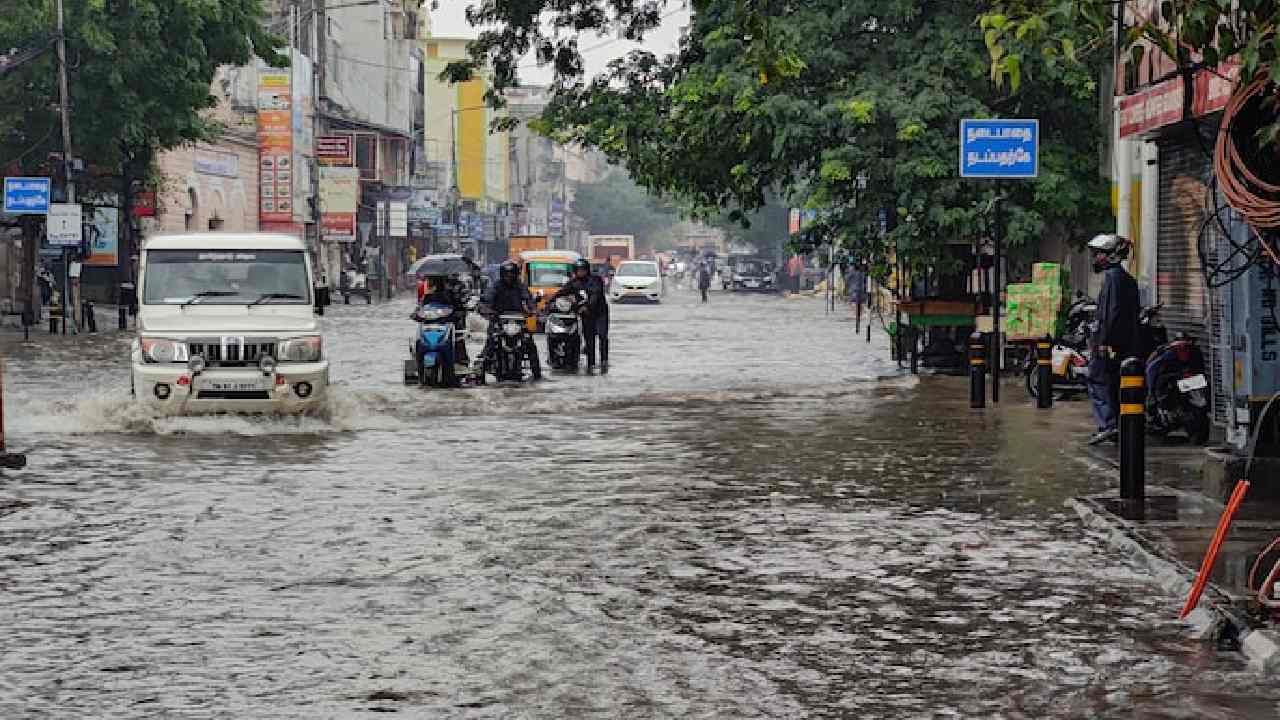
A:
(70, 185)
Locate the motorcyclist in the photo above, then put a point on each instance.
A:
(508, 295)
(595, 311)
(444, 291)
(1116, 335)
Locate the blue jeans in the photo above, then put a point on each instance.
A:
(1104, 392)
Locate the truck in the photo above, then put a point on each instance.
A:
(612, 249)
(523, 243)
(228, 323)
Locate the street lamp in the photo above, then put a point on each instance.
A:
(451, 198)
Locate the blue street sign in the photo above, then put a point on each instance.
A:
(999, 148)
(26, 196)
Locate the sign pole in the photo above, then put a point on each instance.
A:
(997, 337)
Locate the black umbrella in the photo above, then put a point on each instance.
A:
(441, 266)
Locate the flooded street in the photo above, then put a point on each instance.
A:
(755, 515)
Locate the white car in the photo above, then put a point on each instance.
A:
(636, 279)
(227, 323)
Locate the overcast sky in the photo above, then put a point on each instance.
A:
(450, 20)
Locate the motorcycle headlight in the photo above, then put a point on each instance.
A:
(300, 349)
(511, 327)
(564, 304)
(164, 350)
(434, 313)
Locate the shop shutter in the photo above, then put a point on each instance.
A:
(1180, 282)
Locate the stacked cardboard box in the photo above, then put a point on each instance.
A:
(1034, 310)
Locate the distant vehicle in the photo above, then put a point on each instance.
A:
(544, 272)
(354, 282)
(636, 279)
(613, 249)
(750, 274)
(604, 270)
(227, 323)
(521, 243)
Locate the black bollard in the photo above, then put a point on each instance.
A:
(1133, 431)
(1044, 373)
(915, 350)
(977, 371)
(90, 320)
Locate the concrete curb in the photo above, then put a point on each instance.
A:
(1215, 614)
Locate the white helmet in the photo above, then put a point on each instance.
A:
(1114, 245)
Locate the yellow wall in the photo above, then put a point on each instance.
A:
(1135, 220)
(473, 131)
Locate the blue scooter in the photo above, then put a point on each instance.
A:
(432, 352)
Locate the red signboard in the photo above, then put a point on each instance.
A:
(1162, 104)
(144, 204)
(336, 150)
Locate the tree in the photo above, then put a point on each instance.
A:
(799, 99)
(139, 79)
(617, 206)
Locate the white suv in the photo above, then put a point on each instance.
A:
(227, 323)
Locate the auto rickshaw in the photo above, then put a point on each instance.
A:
(545, 272)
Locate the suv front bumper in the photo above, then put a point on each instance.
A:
(293, 388)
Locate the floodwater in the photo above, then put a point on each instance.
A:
(754, 516)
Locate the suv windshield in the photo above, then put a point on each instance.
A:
(750, 268)
(549, 274)
(637, 270)
(225, 277)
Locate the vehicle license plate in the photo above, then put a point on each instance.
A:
(1195, 382)
(234, 386)
(753, 284)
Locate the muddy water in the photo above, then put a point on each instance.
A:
(754, 515)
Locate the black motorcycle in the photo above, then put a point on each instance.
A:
(1070, 355)
(564, 338)
(1178, 391)
(513, 346)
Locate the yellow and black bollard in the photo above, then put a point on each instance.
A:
(1133, 431)
(1044, 373)
(977, 371)
(9, 461)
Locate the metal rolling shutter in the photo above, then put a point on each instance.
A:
(1180, 284)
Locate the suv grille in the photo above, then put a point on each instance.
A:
(231, 353)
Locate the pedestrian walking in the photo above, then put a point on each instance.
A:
(1116, 335)
(704, 277)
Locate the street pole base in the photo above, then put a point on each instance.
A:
(13, 461)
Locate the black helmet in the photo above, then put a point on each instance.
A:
(581, 264)
(508, 271)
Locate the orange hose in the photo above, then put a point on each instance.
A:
(1211, 557)
(1254, 198)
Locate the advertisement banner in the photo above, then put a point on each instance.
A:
(103, 233)
(336, 150)
(339, 198)
(275, 147)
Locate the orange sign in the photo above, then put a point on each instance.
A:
(275, 148)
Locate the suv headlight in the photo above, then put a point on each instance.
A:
(300, 349)
(164, 350)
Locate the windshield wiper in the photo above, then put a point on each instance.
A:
(209, 293)
(276, 296)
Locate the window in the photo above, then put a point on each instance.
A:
(367, 155)
(637, 270)
(548, 274)
(233, 277)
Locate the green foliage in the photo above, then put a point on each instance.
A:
(797, 100)
(617, 206)
(140, 75)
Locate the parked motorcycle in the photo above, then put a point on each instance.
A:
(512, 347)
(564, 339)
(1070, 352)
(1178, 391)
(434, 350)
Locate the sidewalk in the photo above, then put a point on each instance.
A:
(108, 318)
(1184, 504)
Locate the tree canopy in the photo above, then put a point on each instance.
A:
(140, 75)
(616, 205)
(801, 99)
